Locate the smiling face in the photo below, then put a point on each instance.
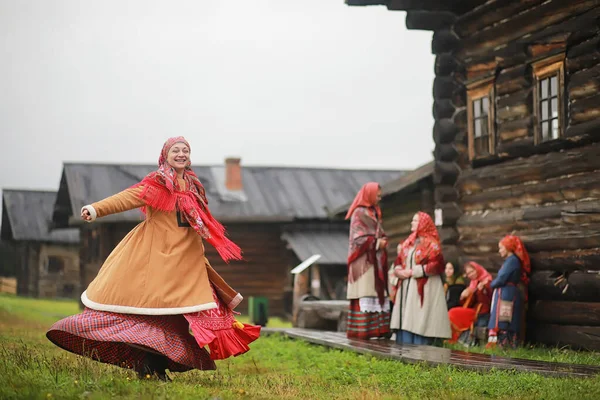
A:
(415, 223)
(449, 270)
(471, 272)
(178, 156)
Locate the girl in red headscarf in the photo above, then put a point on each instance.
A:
(420, 314)
(476, 310)
(510, 294)
(157, 284)
(369, 312)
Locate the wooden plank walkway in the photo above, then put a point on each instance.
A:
(433, 356)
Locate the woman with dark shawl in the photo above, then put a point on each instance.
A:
(369, 312)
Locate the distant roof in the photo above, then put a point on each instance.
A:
(396, 185)
(269, 194)
(27, 214)
(330, 244)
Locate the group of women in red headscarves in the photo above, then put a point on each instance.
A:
(420, 311)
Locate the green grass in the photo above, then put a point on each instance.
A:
(275, 368)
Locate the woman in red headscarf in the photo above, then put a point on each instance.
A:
(510, 294)
(476, 310)
(369, 312)
(420, 313)
(157, 284)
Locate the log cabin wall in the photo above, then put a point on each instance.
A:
(546, 191)
(264, 271)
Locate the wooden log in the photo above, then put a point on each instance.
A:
(445, 173)
(548, 49)
(576, 337)
(444, 131)
(582, 20)
(493, 12)
(444, 41)
(445, 64)
(584, 110)
(516, 129)
(443, 108)
(513, 80)
(514, 105)
(531, 20)
(482, 69)
(459, 97)
(579, 132)
(533, 169)
(559, 190)
(429, 20)
(444, 87)
(565, 312)
(579, 80)
(445, 194)
(584, 55)
(582, 287)
(448, 235)
(460, 119)
(445, 152)
(520, 147)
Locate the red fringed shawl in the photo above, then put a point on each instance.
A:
(161, 191)
(428, 252)
(365, 229)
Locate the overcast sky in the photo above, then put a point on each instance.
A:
(276, 82)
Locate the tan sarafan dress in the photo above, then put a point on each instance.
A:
(159, 268)
(157, 285)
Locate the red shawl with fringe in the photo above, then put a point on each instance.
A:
(428, 251)
(365, 229)
(161, 191)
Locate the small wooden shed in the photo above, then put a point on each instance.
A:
(48, 259)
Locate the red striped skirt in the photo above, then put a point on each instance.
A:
(124, 339)
(366, 325)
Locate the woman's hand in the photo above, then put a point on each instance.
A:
(85, 215)
(383, 244)
(481, 286)
(465, 293)
(402, 273)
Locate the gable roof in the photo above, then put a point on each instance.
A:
(27, 214)
(269, 194)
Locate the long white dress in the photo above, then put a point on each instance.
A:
(431, 318)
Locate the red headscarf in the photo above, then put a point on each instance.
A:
(428, 248)
(161, 191)
(482, 274)
(366, 197)
(515, 245)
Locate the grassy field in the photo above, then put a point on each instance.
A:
(275, 368)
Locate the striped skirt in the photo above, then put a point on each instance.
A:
(368, 320)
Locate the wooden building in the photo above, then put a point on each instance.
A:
(516, 108)
(263, 208)
(48, 260)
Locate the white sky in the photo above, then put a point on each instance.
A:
(276, 82)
